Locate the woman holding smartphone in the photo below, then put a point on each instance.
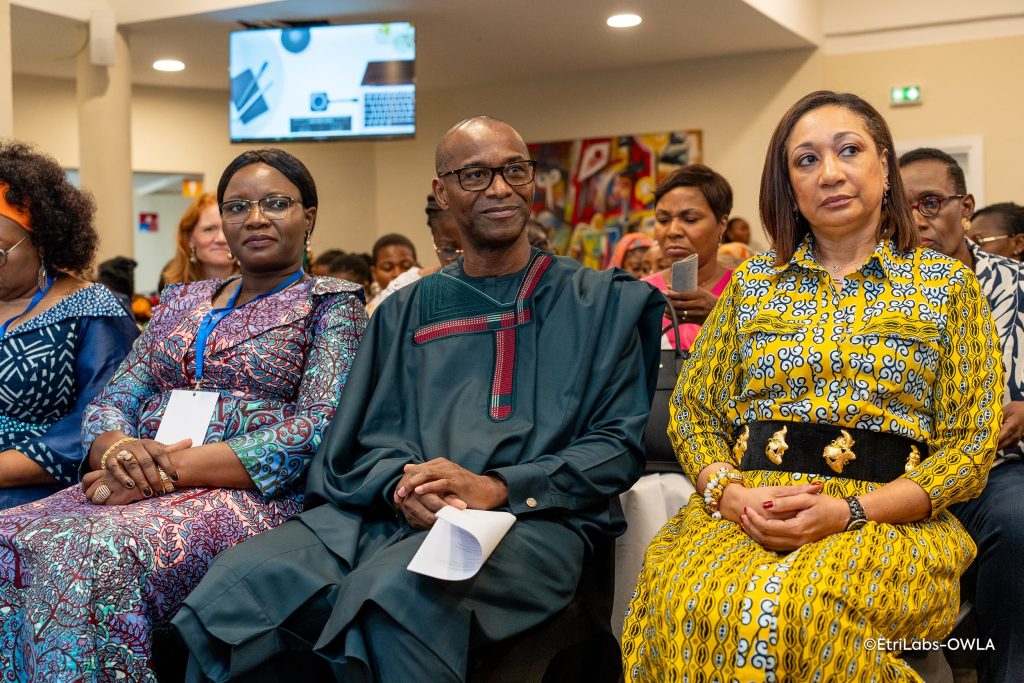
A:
(691, 210)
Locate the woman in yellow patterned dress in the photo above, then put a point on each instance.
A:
(844, 391)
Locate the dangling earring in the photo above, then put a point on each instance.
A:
(193, 258)
(231, 257)
(309, 252)
(41, 279)
(885, 196)
(966, 222)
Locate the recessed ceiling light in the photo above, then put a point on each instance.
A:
(168, 65)
(624, 20)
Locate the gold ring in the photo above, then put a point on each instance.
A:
(101, 495)
(165, 480)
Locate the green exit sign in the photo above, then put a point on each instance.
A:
(903, 95)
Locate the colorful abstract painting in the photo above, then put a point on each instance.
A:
(591, 192)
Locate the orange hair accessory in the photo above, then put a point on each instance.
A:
(627, 243)
(17, 214)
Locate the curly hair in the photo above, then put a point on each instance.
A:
(62, 215)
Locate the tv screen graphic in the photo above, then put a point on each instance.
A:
(323, 83)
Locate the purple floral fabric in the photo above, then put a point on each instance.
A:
(82, 585)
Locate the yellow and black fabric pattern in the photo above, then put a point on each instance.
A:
(905, 345)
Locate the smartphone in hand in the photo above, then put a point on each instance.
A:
(684, 274)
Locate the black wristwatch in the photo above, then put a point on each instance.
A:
(857, 517)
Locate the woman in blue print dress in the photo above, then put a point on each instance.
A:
(61, 338)
(88, 572)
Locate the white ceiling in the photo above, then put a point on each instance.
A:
(459, 42)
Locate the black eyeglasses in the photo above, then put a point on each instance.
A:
(930, 206)
(274, 208)
(479, 178)
(447, 254)
(8, 250)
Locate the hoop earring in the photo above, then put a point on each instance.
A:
(193, 258)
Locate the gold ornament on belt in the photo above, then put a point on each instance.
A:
(839, 452)
(740, 447)
(913, 460)
(777, 446)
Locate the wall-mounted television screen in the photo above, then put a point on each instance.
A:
(323, 82)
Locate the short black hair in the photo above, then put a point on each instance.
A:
(61, 214)
(327, 258)
(714, 187)
(956, 174)
(1011, 214)
(433, 210)
(289, 165)
(391, 240)
(353, 263)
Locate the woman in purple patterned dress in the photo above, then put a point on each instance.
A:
(86, 573)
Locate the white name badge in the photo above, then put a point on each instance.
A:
(188, 416)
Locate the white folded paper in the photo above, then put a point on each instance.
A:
(460, 542)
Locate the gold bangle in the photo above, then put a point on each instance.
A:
(164, 479)
(106, 453)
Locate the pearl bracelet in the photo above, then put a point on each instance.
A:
(716, 487)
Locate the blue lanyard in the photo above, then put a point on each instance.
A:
(31, 304)
(217, 314)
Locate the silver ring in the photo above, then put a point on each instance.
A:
(125, 456)
(101, 495)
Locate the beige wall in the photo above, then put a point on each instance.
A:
(970, 88)
(186, 131)
(368, 189)
(735, 101)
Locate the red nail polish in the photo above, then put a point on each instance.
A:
(768, 505)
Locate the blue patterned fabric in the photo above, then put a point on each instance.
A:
(51, 366)
(1002, 282)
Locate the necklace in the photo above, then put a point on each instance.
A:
(841, 266)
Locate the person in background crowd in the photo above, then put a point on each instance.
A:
(735, 247)
(269, 351)
(61, 337)
(354, 268)
(323, 262)
(538, 236)
(393, 254)
(202, 252)
(447, 245)
(844, 392)
(432, 424)
(629, 253)
(999, 229)
(937, 192)
(691, 208)
(652, 262)
(118, 275)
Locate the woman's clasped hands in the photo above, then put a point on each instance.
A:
(784, 518)
(131, 472)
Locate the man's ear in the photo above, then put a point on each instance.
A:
(1018, 246)
(440, 193)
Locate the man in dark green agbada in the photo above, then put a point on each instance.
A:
(511, 380)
